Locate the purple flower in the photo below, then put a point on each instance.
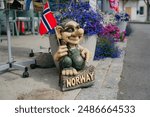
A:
(106, 48)
(122, 16)
(82, 13)
(112, 31)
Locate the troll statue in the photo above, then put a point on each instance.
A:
(72, 57)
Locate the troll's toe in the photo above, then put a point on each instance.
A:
(69, 71)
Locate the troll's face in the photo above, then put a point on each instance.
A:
(70, 33)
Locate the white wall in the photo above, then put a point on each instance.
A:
(142, 17)
(133, 6)
(120, 5)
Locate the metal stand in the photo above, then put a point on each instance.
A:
(11, 63)
(2, 38)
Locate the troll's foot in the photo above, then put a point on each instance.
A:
(69, 71)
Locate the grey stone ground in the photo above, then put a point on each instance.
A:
(43, 83)
(135, 82)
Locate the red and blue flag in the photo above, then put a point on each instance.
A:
(48, 21)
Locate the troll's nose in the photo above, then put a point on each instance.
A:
(79, 32)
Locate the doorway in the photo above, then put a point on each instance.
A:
(128, 10)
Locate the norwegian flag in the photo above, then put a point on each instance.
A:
(48, 21)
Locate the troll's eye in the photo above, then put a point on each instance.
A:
(78, 27)
(69, 30)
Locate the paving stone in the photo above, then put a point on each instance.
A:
(108, 94)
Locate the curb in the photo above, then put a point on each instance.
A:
(137, 22)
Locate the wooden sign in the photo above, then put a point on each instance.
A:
(85, 78)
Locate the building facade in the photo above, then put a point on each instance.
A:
(137, 9)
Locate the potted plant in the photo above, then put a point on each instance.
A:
(113, 31)
(122, 19)
(109, 19)
(82, 13)
(106, 48)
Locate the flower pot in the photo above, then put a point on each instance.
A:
(122, 25)
(54, 47)
(89, 42)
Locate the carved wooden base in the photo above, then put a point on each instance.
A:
(85, 78)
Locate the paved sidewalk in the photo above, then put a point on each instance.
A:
(43, 83)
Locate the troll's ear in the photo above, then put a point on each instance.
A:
(58, 31)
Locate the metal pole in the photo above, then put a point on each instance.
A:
(10, 60)
(102, 5)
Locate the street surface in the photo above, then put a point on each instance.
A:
(135, 81)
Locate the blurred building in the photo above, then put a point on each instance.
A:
(137, 9)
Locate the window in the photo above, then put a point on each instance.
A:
(141, 10)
